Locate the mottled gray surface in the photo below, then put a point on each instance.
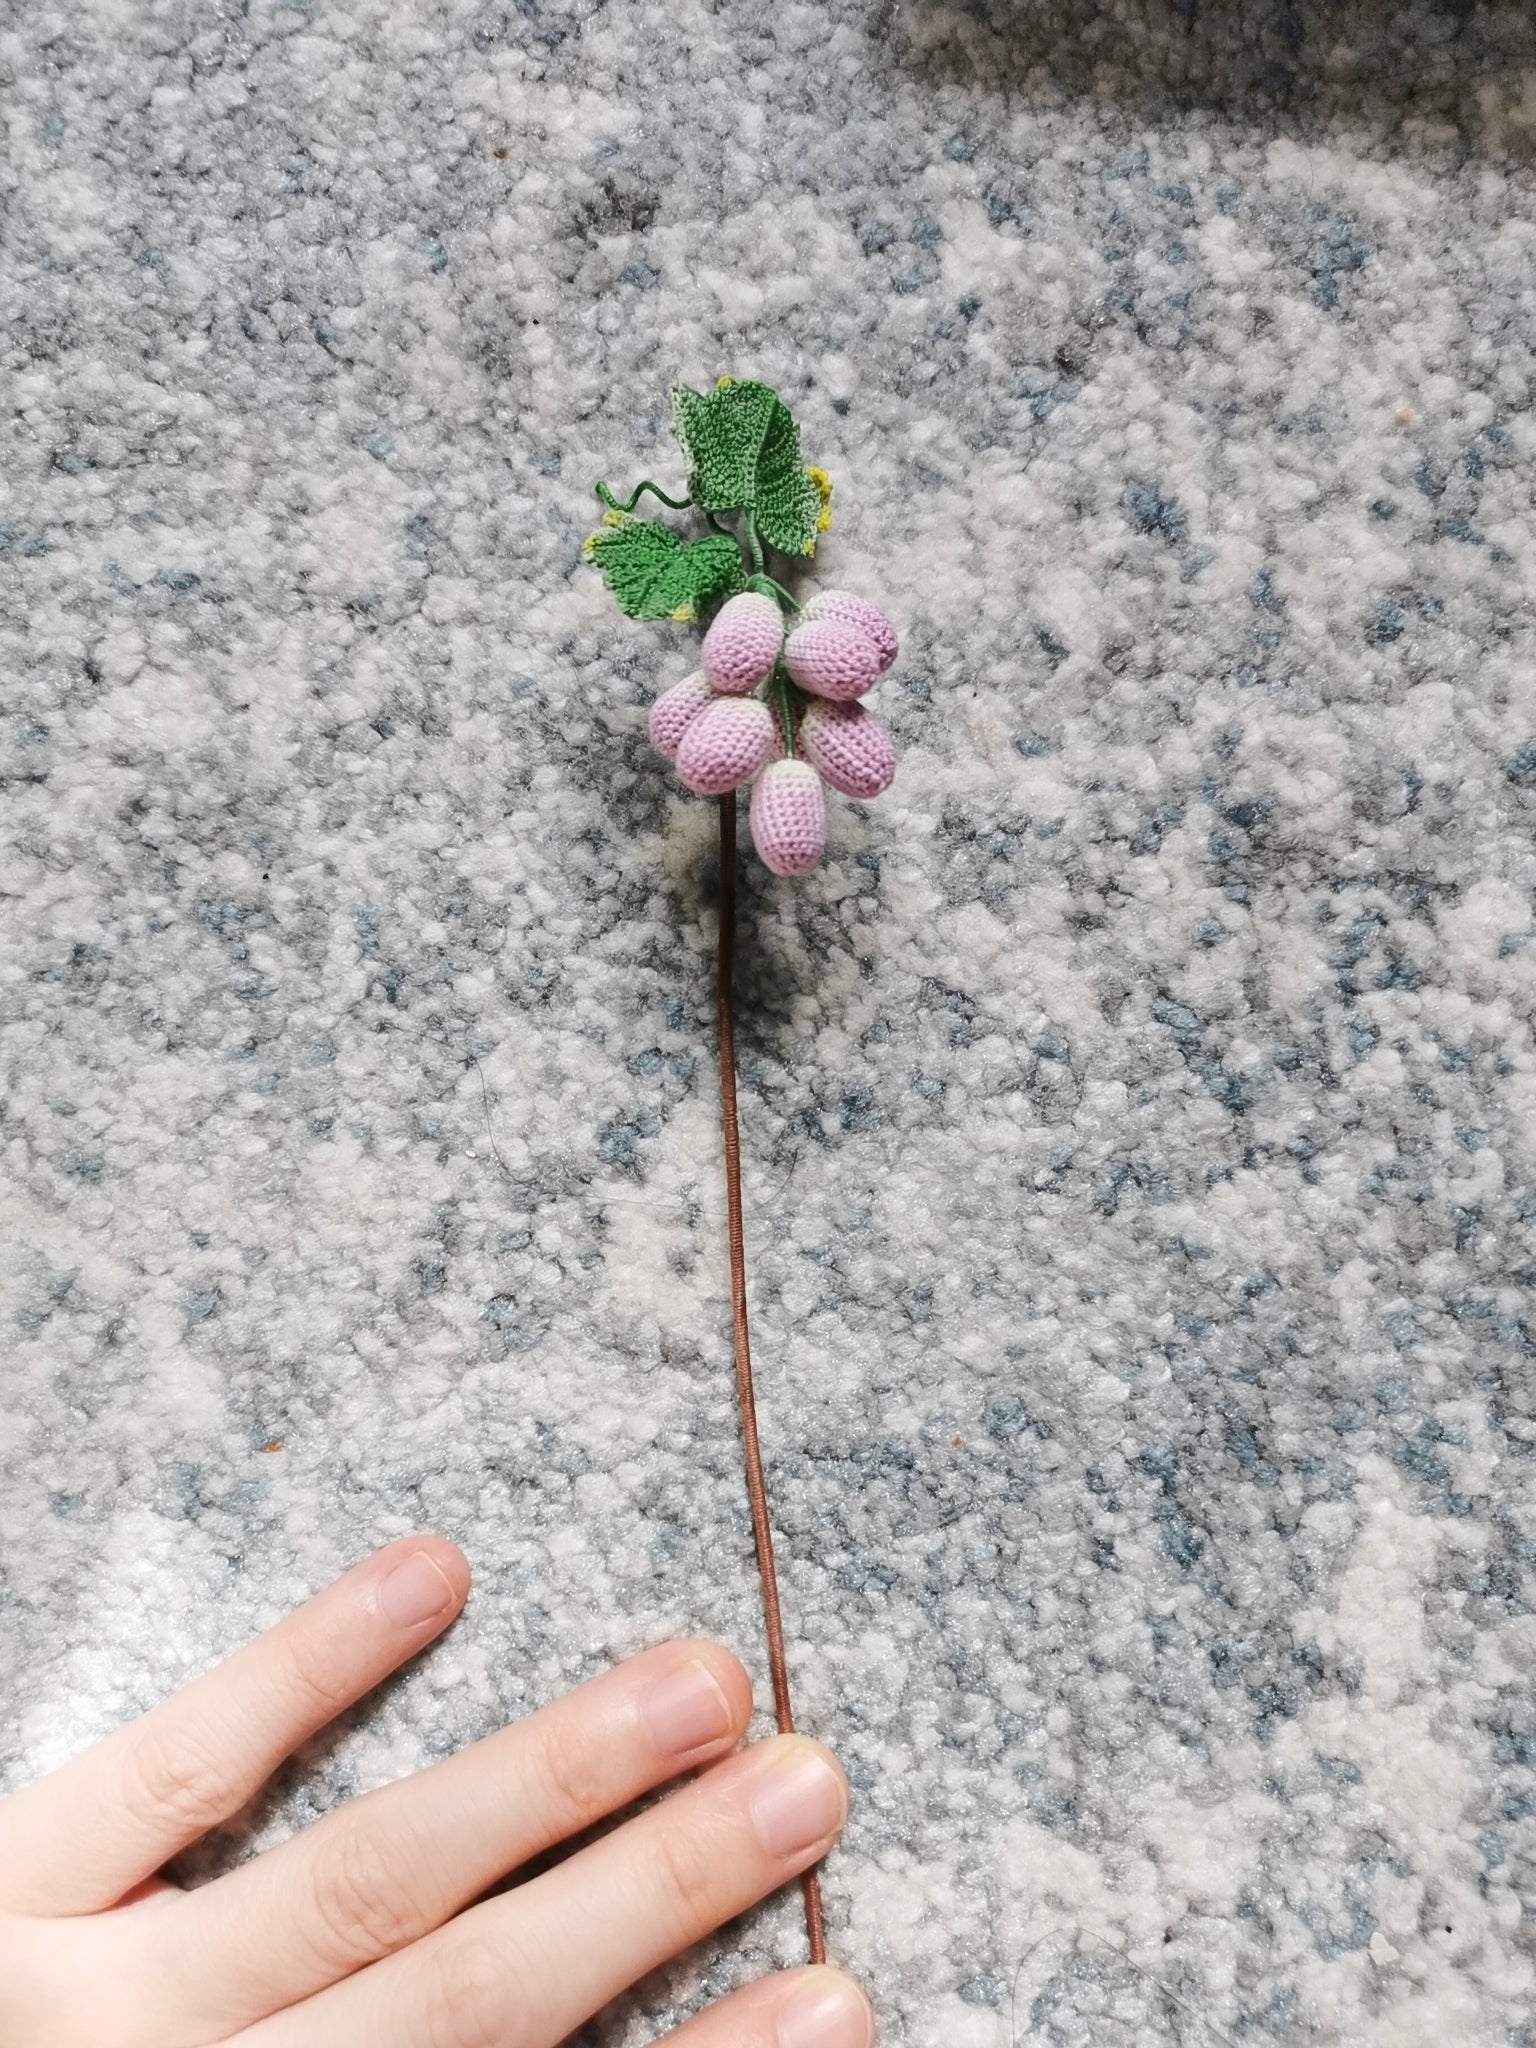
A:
(1137, 1101)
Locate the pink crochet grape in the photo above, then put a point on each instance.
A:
(675, 710)
(725, 745)
(743, 643)
(830, 658)
(849, 747)
(789, 816)
(856, 611)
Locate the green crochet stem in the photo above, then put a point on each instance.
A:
(753, 550)
(769, 588)
(677, 504)
(779, 684)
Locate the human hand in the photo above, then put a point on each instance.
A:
(355, 1933)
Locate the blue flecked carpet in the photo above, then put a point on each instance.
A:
(1137, 1101)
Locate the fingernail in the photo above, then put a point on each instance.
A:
(826, 2014)
(798, 1802)
(687, 1709)
(415, 1591)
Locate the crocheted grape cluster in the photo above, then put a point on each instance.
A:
(783, 714)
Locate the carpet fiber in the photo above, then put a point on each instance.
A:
(1136, 1101)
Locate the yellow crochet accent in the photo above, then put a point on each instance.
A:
(823, 485)
(609, 519)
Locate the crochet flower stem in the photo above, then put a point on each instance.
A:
(774, 705)
(757, 1490)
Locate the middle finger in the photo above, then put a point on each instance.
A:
(386, 1868)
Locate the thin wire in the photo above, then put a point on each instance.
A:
(757, 1490)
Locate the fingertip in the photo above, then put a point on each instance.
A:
(823, 2008)
(726, 1670)
(802, 1747)
(451, 1561)
(694, 1702)
(447, 1556)
(796, 1799)
(423, 1581)
(807, 2008)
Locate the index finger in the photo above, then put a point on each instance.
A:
(76, 1841)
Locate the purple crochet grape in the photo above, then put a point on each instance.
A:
(859, 612)
(743, 643)
(725, 745)
(832, 659)
(849, 747)
(675, 710)
(789, 816)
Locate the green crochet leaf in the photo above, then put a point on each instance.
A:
(721, 434)
(655, 574)
(743, 451)
(699, 573)
(789, 505)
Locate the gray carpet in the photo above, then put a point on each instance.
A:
(1137, 1100)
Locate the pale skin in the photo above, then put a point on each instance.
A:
(370, 1929)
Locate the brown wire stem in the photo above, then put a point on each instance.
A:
(757, 1491)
